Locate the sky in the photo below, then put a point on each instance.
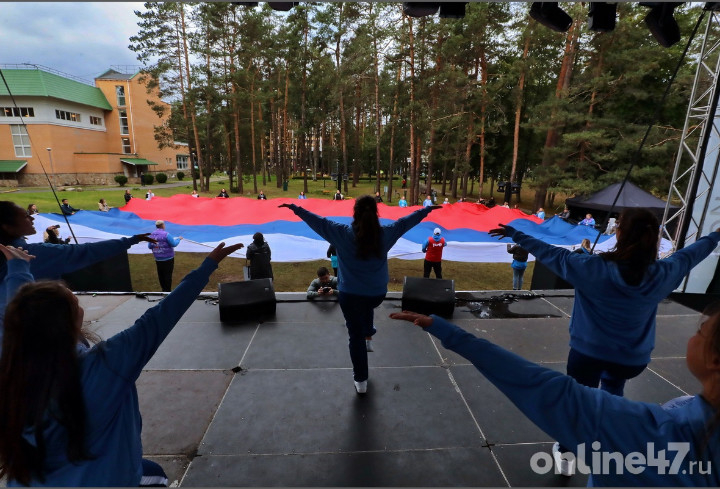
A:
(82, 39)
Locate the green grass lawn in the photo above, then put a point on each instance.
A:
(295, 277)
(289, 277)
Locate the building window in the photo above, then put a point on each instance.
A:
(67, 116)
(124, 128)
(182, 162)
(120, 94)
(21, 140)
(17, 112)
(95, 121)
(126, 146)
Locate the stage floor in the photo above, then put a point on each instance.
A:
(273, 403)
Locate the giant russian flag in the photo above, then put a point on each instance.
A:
(204, 222)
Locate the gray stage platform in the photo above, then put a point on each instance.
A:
(273, 404)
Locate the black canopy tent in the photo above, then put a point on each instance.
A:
(599, 203)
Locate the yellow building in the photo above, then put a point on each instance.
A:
(80, 134)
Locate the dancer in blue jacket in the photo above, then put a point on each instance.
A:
(51, 260)
(70, 417)
(685, 430)
(362, 250)
(612, 327)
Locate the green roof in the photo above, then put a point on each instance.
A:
(38, 83)
(137, 161)
(12, 166)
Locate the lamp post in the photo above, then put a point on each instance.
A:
(52, 169)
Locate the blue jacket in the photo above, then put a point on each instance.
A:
(370, 276)
(611, 320)
(108, 373)
(53, 260)
(574, 414)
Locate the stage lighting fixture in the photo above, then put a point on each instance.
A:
(420, 9)
(601, 16)
(550, 15)
(452, 10)
(282, 6)
(661, 22)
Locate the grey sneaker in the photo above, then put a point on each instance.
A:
(361, 387)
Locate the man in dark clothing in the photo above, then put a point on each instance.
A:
(258, 252)
(325, 284)
(338, 195)
(223, 194)
(261, 196)
(67, 209)
(378, 197)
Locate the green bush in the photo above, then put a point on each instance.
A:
(180, 175)
(161, 177)
(148, 179)
(196, 174)
(121, 180)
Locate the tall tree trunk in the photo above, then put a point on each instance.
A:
(468, 153)
(264, 152)
(303, 96)
(439, 65)
(252, 131)
(414, 173)
(393, 123)
(518, 114)
(287, 140)
(378, 120)
(184, 97)
(191, 102)
(356, 153)
(483, 115)
(563, 84)
(343, 132)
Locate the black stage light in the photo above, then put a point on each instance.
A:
(661, 22)
(601, 16)
(550, 15)
(452, 10)
(282, 6)
(420, 9)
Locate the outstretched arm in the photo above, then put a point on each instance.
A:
(569, 412)
(18, 273)
(572, 267)
(128, 351)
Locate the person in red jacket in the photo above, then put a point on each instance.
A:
(433, 249)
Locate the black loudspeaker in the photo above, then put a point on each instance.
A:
(429, 296)
(544, 279)
(111, 275)
(252, 299)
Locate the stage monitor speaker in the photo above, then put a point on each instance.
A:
(111, 275)
(251, 299)
(544, 279)
(429, 296)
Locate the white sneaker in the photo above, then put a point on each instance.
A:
(361, 387)
(368, 345)
(563, 464)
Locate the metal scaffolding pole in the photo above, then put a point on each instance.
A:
(697, 161)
